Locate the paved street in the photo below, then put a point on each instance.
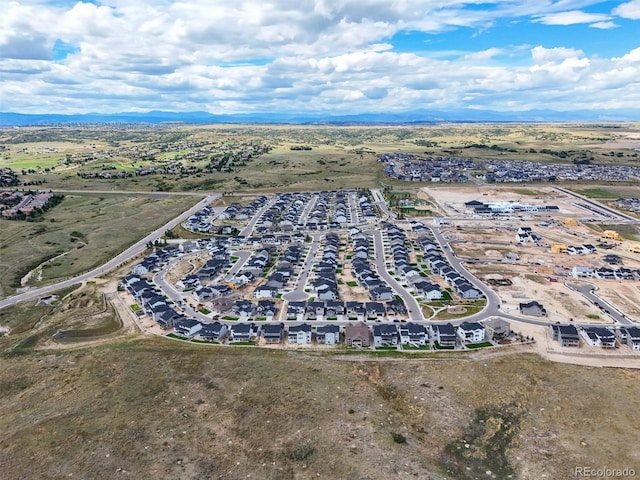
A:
(381, 203)
(248, 230)
(298, 294)
(414, 308)
(243, 256)
(587, 289)
(135, 249)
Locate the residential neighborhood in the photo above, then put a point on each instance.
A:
(323, 269)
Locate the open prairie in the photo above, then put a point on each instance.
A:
(150, 408)
(335, 156)
(82, 232)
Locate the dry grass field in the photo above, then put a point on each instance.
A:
(341, 156)
(82, 232)
(153, 408)
(83, 394)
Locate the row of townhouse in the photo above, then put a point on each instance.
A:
(282, 274)
(569, 336)
(272, 239)
(205, 283)
(283, 213)
(344, 311)
(429, 169)
(354, 335)
(439, 265)
(585, 249)
(253, 269)
(151, 302)
(156, 260)
(446, 335)
(246, 309)
(215, 247)
(366, 205)
(325, 284)
(525, 171)
(622, 273)
(238, 212)
(362, 271)
(400, 257)
(200, 221)
(341, 211)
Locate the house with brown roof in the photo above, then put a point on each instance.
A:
(357, 335)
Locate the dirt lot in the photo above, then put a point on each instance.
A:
(532, 267)
(452, 200)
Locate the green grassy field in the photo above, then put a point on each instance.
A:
(87, 229)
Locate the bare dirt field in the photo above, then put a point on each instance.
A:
(452, 200)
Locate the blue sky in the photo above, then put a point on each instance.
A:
(318, 56)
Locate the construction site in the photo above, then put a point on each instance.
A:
(530, 256)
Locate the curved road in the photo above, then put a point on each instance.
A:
(414, 308)
(129, 253)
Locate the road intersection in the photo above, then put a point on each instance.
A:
(491, 309)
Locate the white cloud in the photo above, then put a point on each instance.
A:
(632, 56)
(484, 54)
(295, 55)
(541, 54)
(604, 25)
(628, 10)
(571, 18)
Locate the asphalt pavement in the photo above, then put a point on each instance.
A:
(135, 249)
(414, 308)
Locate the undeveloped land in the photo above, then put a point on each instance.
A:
(156, 408)
(83, 232)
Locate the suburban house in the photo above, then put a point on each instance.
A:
(335, 310)
(296, 311)
(445, 335)
(468, 291)
(266, 309)
(428, 290)
(385, 335)
(533, 308)
(265, 291)
(273, 332)
(633, 338)
(497, 328)
(327, 334)
(470, 332)
(565, 335)
(413, 334)
(300, 334)
(213, 331)
(599, 337)
(244, 308)
(242, 332)
(357, 335)
(187, 327)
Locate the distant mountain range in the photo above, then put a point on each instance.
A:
(10, 119)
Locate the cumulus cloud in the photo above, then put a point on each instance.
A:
(628, 10)
(295, 55)
(604, 25)
(484, 54)
(541, 54)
